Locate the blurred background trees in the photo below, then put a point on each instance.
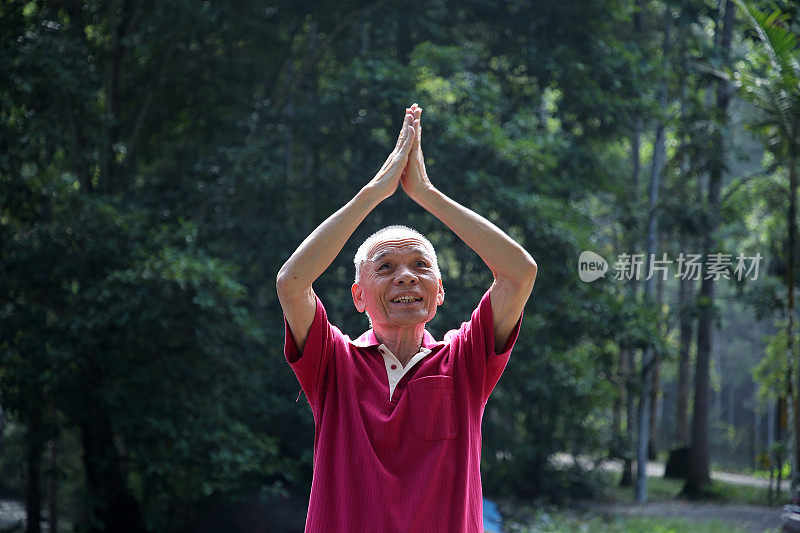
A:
(160, 160)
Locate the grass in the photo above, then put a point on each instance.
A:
(563, 521)
(662, 489)
(765, 473)
(522, 517)
(730, 493)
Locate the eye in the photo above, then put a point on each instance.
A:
(421, 264)
(384, 266)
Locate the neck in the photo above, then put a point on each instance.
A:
(403, 342)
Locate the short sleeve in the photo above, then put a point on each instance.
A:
(474, 341)
(313, 366)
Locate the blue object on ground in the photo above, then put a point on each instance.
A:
(492, 521)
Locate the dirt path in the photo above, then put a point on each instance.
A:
(750, 517)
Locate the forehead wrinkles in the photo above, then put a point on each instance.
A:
(399, 245)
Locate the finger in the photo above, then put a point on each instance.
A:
(400, 154)
(417, 127)
(399, 157)
(406, 122)
(408, 140)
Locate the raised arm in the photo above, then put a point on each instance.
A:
(320, 248)
(513, 268)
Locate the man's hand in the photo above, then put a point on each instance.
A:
(321, 247)
(513, 268)
(415, 178)
(387, 179)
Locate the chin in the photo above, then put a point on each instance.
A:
(410, 320)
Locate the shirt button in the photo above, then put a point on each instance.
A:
(394, 367)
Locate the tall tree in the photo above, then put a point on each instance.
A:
(630, 222)
(771, 82)
(648, 358)
(698, 475)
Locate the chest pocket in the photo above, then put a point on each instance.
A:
(433, 414)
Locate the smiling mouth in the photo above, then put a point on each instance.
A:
(406, 299)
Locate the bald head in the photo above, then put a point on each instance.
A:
(389, 233)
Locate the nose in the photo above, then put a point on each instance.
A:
(405, 277)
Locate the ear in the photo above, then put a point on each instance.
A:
(358, 297)
(440, 293)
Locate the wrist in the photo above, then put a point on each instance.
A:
(372, 194)
(424, 195)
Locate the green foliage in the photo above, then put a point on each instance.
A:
(160, 160)
(771, 371)
(770, 79)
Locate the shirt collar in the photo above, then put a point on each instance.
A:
(368, 338)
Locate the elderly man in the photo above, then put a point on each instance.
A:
(397, 413)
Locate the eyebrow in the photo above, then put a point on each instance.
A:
(414, 250)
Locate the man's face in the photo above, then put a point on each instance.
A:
(398, 284)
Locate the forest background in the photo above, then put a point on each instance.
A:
(159, 160)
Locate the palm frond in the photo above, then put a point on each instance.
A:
(779, 43)
(771, 80)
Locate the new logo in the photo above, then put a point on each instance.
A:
(591, 266)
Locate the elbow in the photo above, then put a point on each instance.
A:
(288, 287)
(526, 272)
(522, 274)
(530, 271)
(283, 283)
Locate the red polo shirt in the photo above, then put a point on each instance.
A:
(406, 464)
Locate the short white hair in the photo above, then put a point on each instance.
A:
(361, 254)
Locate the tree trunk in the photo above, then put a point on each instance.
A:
(2, 428)
(698, 456)
(636, 159)
(716, 396)
(686, 286)
(52, 488)
(619, 399)
(698, 477)
(636, 164)
(33, 460)
(113, 74)
(655, 396)
(684, 378)
(781, 419)
(627, 468)
(112, 506)
(793, 366)
(648, 359)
